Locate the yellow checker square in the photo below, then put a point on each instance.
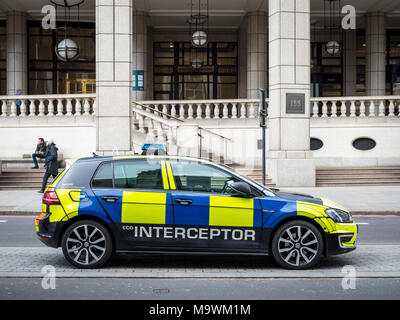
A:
(57, 213)
(143, 207)
(68, 204)
(231, 211)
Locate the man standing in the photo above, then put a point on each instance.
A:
(40, 152)
(51, 163)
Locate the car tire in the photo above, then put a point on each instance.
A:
(91, 241)
(297, 245)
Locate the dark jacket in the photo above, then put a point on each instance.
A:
(51, 160)
(41, 147)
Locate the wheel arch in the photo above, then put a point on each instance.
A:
(85, 217)
(302, 218)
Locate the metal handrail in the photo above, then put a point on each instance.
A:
(175, 118)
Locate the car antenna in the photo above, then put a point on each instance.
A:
(94, 154)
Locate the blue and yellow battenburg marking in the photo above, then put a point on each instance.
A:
(140, 207)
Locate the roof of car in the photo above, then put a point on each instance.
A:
(103, 158)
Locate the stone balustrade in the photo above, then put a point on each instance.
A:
(47, 105)
(359, 106)
(204, 109)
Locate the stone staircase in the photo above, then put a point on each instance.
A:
(357, 176)
(253, 173)
(17, 173)
(22, 179)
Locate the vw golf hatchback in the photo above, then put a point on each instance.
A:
(103, 205)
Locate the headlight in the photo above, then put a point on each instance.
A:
(338, 215)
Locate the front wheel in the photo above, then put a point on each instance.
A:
(297, 245)
(87, 244)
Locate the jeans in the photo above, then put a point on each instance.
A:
(37, 155)
(45, 178)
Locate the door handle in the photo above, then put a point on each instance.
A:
(110, 198)
(183, 202)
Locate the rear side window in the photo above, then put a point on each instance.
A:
(78, 176)
(137, 174)
(103, 177)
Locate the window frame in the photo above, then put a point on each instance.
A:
(137, 160)
(211, 165)
(98, 169)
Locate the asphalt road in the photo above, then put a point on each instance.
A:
(200, 289)
(20, 231)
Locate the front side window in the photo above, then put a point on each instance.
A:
(200, 177)
(137, 174)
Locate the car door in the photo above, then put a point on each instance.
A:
(139, 202)
(207, 213)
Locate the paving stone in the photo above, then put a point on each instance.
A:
(368, 261)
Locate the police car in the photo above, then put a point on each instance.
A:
(120, 204)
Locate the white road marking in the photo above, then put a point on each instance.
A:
(3, 221)
(362, 223)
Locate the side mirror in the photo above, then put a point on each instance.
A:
(243, 188)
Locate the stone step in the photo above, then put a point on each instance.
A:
(20, 179)
(355, 184)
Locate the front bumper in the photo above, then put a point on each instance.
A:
(343, 239)
(48, 232)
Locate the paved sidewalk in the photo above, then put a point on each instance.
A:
(359, 200)
(372, 261)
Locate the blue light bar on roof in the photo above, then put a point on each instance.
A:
(153, 146)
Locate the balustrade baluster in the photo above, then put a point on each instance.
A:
(86, 106)
(94, 106)
(324, 109)
(234, 110)
(141, 123)
(363, 112)
(334, 109)
(77, 110)
(41, 107)
(3, 108)
(208, 111)
(391, 108)
(13, 109)
(190, 111)
(242, 110)
(381, 109)
(224, 111)
(60, 107)
(32, 108)
(352, 109)
(251, 110)
(23, 108)
(69, 108)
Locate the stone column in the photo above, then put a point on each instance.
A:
(256, 53)
(113, 76)
(242, 62)
(289, 159)
(139, 50)
(17, 59)
(350, 63)
(375, 68)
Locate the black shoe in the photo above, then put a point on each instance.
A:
(35, 167)
(40, 191)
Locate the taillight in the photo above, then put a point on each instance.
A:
(50, 197)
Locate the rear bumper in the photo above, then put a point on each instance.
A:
(48, 232)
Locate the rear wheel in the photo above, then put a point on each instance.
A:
(87, 244)
(297, 245)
